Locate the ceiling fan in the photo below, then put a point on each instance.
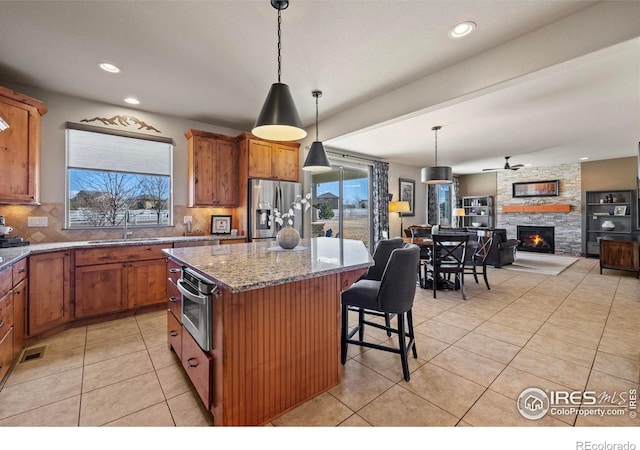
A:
(507, 166)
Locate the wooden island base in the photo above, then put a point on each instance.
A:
(273, 348)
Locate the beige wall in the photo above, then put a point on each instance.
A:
(620, 173)
(478, 184)
(397, 171)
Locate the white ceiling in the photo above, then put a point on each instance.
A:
(214, 62)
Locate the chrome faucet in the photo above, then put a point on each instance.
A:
(125, 232)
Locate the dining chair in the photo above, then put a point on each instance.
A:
(477, 254)
(448, 253)
(393, 294)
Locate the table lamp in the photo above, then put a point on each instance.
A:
(458, 212)
(399, 207)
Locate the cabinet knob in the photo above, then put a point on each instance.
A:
(174, 299)
(1, 323)
(173, 333)
(22, 270)
(174, 270)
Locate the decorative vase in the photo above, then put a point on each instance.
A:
(288, 237)
(608, 225)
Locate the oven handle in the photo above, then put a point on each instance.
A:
(199, 299)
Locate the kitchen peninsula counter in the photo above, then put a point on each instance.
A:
(275, 325)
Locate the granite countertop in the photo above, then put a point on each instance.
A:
(11, 255)
(243, 267)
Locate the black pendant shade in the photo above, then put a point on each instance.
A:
(317, 160)
(278, 119)
(436, 174)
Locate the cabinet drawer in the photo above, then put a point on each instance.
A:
(6, 353)
(174, 334)
(198, 366)
(5, 281)
(19, 271)
(6, 313)
(105, 255)
(174, 299)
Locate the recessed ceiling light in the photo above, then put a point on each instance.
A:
(132, 101)
(461, 30)
(584, 158)
(109, 68)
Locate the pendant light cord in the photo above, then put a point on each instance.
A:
(436, 148)
(279, 43)
(317, 140)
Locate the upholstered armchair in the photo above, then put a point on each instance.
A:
(503, 250)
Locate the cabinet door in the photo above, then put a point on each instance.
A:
(146, 283)
(226, 174)
(260, 154)
(202, 166)
(198, 366)
(99, 290)
(285, 164)
(6, 353)
(17, 161)
(49, 291)
(19, 316)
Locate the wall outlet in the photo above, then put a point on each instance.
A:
(187, 219)
(34, 221)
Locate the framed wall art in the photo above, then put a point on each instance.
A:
(220, 224)
(536, 189)
(407, 191)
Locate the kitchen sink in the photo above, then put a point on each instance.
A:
(106, 241)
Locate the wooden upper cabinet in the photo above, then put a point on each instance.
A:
(213, 169)
(272, 160)
(19, 147)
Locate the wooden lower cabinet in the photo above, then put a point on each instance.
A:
(620, 255)
(6, 353)
(19, 315)
(174, 299)
(198, 366)
(99, 289)
(111, 279)
(174, 334)
(49, 291)
(146, 283)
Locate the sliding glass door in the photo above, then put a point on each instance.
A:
(341, 200)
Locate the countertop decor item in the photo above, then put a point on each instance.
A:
(288, 237)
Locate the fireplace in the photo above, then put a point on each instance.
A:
(536, 239)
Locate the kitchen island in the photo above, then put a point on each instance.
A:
(275, 324)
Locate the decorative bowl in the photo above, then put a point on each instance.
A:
(476, 224)
(608, 225)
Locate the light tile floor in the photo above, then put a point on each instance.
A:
(577, 331)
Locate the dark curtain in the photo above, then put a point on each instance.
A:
(432, 204)
(380, 197)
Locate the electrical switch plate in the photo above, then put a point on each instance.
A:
(187, 219)
(34, 221)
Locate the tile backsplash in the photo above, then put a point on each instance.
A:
(17, 216)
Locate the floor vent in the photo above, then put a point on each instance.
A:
(32, 353)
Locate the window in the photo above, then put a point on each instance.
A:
(443, 196)
(116, 176)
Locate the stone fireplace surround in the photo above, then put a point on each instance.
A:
(568, 225)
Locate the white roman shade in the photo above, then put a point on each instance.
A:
(100, 151)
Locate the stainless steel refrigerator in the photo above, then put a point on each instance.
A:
(264, 196)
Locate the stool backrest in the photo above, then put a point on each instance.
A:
(398, 284)
(381, 256)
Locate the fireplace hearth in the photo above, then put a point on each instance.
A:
(536, 239)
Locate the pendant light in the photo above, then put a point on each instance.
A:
(317, 160)
(437, 174)
(278, 119)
